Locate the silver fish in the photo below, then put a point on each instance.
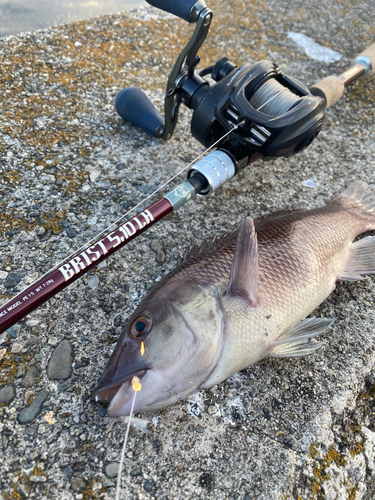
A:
(239, 299)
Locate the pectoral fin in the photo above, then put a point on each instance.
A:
(294, 342)
(361, 260)
(243, 278)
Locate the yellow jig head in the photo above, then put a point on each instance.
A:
(136, 384)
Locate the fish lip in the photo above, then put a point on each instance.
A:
(100, 393)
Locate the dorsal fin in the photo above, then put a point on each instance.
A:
(243, 278)
(359, 194)
(280, 214)
(205, 248)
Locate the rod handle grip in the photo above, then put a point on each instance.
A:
(180, 8)
(368, 53)
(330, 88)
(135, 107)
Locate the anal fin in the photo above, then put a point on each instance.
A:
(361, 260)
(295, 341)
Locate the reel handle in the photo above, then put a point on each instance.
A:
(135, 107)
(180, 8)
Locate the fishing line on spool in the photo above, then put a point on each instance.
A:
(273, 99)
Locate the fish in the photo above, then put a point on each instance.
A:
(238, 299)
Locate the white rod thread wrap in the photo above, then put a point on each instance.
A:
(217, 168)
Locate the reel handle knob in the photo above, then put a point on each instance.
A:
(135, 107)
(180, 8)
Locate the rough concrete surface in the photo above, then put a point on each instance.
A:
(301, 428)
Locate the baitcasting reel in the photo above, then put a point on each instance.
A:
(271, 114)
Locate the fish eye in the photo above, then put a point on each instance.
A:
(140, 328)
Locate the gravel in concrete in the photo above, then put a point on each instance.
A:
(59, 366)
(28, 414)
(32, 376)
(7, 393)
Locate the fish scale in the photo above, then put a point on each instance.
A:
(239, 299)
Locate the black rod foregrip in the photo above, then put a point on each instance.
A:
(180, 8)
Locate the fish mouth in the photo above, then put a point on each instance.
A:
(105, 392)
(148, 399)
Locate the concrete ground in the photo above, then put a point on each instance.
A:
(301, 428)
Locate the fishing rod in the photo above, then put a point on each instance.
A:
(250, 112)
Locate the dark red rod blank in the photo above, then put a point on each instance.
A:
(39, 292)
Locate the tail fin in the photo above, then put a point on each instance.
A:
(358, 193)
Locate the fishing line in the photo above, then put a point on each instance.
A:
(136, 388)
(113, 225)
(273, 98)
